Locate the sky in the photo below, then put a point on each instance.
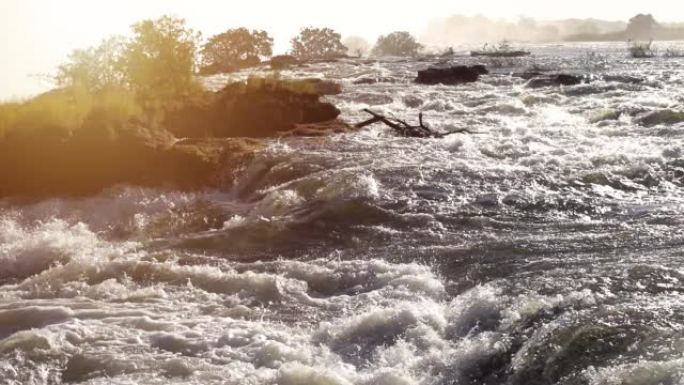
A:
(37, 35)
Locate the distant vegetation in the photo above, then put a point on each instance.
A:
(639, 28)
(318, 43)
(235, 49)
(397, 44)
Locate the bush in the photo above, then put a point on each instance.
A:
(673, 52)
(95, 68)
(235, 49)
(160, 59)
(318, 43)
(397, 44)
(640, 50)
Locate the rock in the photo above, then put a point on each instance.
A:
(451, 75)
(605, 115)
(412, 101)
(554, 81)
(329, 127)
(654, 118)
(258, 108)
(46, 159)
(373, 80)
(283, 61)
(623, 79)
(225, 68)
(41, 164)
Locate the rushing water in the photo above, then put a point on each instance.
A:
(546, 248)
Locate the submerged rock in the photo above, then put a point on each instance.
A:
(554, 80)
(654, 118)
(451, 75)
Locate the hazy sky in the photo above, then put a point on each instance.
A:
(36, 35)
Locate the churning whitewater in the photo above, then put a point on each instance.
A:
(544, 248)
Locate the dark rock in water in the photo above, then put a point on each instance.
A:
(623, 79)
(373, 80)
(280, 62)
(412, 101)
(554, 81)
(451, 75)
(654, 118)
(258, 108)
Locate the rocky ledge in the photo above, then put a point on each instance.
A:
(197, 146)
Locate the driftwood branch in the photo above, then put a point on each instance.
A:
(405, 129)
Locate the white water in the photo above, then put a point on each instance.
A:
(545, 249)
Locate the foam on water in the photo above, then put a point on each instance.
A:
(543, 249)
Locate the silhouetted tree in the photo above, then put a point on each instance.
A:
(236, 48)
(397, 44)
(95, 68)
(318, 43)
(642, 27)
(357, 45)
(160, 59)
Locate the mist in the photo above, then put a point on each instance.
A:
(460, 29)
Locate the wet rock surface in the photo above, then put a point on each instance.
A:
(554, 80)
(256, 108)
(451, 75)
(217, 127)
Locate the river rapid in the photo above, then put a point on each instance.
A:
(545, 248)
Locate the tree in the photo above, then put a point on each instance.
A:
(642, 27)
(160, 59)
(95, 68)
(236, 48)
(397, 44)
(357, 45)
(318, 43)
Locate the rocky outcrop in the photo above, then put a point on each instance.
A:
(39, 164)
(451, 75)
(554, 80)
(658, 117)
(257, 108)
(281, 62)
(219, 131)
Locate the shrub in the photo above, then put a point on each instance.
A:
(397, 44)
(235, 49)
(95, 68)
(318, 43)
(160, 59)
(673, 52)
(640, 50)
